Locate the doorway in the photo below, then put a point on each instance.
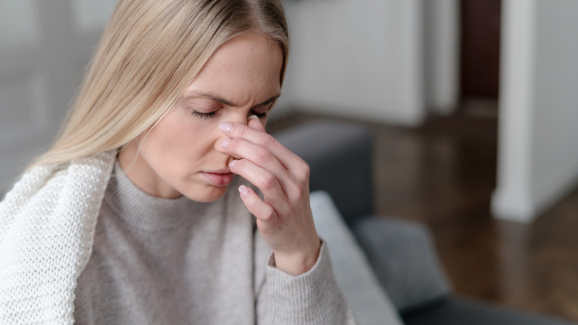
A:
(480, 22)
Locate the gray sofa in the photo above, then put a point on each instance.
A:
(400, 253)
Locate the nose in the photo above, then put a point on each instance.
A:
(237, 119)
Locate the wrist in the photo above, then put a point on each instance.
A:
(299, 262)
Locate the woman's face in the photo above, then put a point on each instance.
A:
(179, 156)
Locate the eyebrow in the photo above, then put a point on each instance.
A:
(224, 101)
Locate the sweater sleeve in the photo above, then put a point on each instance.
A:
(310, 298)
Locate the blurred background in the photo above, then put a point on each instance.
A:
(473, 105)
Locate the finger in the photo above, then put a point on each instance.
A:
(256, 206)
(288, 159)
(265, 181)
(261, 157)
(255, 124)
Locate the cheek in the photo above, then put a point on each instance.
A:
(178, 142)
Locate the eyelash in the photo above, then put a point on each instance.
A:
(206, 116)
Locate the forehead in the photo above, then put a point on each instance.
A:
(245, 70)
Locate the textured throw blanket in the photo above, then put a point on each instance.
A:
(47, 224)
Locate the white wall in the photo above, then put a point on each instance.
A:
(44, 46)
(357, 58)
(538, 151)
(442, 51)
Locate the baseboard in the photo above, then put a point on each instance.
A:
(525, 207)
(518, 208)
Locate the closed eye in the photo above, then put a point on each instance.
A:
(204, 116)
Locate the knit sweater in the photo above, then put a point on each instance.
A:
(177, 261)
(47, 227)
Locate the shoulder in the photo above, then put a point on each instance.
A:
(47, 184)
(53, 195)
(46, 223)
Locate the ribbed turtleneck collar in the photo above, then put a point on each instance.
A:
(145, 211)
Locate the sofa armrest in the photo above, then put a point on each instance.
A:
(367, 299)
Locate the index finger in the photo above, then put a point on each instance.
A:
(288, 159)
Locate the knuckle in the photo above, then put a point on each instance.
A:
(304, 171)
(262, 157)
(267, 213)
(267, 181)
(299, 191)
(267, 141)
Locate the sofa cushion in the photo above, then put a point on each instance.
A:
(404, 260)
(370, 304)
(339, 155)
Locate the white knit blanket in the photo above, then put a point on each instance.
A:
(47, 224)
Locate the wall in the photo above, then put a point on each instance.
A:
(43, 51)
(538, 156)
(442, 55)
(357, 58)
(372, 55)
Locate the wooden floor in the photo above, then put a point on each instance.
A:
(443, 174)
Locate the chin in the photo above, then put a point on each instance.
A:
(208, 193)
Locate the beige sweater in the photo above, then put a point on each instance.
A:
(163, 261)
(47, 227)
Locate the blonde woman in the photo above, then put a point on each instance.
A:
(135, 216)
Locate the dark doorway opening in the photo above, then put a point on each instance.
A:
(480, 48)
(480, 57)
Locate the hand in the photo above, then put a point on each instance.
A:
(284, 217)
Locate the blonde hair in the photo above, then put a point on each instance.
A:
(151, 50)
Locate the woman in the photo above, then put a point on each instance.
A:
(134, 216)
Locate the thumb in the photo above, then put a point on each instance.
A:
(254, 123)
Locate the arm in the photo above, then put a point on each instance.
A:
(310, 298)
(299, 286)
(283, 215)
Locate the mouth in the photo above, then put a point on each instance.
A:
(221, 177)
(220, 171)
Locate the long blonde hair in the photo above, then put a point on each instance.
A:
(151, 50)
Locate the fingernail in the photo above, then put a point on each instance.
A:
(243, 190)
(225, 143)
(232, 163)
(253, 117)
(227, 127)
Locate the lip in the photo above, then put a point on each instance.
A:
(221, 177)
(220, 171)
